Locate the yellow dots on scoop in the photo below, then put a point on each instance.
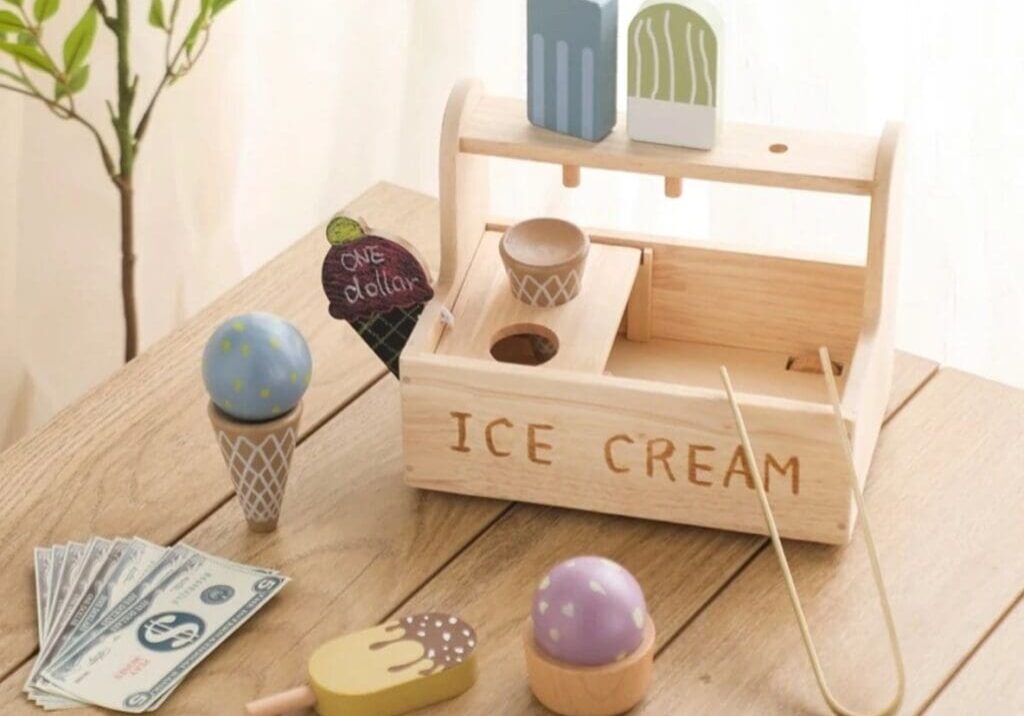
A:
(276, 409)
(306, 378)
(239, 326)
(228, 405)
(275, 342)
(245, 350)
(238, 385)
(225, 345)
(265, 392)
(295, 377)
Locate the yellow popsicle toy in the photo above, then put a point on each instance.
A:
(386, 670)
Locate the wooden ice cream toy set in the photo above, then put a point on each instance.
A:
(622, 409)
(608, 371)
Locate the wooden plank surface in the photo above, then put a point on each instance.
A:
(993, 677)
(945, 509)
(681, 569)
(704, 293)
(356, 541)
(818, 161)
(137, 454)
(585, 327)
(362, 546)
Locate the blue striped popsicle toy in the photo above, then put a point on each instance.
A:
(572, 66)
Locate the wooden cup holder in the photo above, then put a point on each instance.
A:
(607, 690)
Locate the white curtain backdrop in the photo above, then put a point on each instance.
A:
(299, 105)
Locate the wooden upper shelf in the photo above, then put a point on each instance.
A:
(745, 154)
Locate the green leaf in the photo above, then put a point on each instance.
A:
(79, 42)
(26, 38)
(75, 83)
(197, 25)
(16, 3)
(156, 14)
(9, 22)
(30, 56)
(219, 5)
(78, 79)
(45, 9)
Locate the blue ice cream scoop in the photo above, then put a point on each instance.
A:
(256, 367)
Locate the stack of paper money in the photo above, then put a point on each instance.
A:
(123, 621)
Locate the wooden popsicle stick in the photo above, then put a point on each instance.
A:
(571, 175)
(298, 698)
(673, 187)
(794, 597)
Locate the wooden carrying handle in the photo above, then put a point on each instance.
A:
(851, 477)
(298, 698)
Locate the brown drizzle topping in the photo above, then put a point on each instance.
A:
(446, 640)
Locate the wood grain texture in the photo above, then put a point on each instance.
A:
(993, 678)
(788, 304)
(681, 570)
(818, 161)
(585, 327)
(137, 454)
(354, 539)
(943, 481)
(463, 184)
(697, 364)
(639, 310)
(619, 446)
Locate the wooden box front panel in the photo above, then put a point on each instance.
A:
(620, 446)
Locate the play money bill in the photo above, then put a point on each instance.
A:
(162, 630)
(126, 564)
(91, 562)
(42, 556)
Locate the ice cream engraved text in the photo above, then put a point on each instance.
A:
(625, 453)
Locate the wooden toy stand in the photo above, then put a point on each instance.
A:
(629, 416)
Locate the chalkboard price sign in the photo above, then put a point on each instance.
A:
(379, 287)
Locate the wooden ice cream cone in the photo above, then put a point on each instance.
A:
(259, 457)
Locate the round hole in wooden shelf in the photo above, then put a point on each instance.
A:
(524, 344)
(778, 148)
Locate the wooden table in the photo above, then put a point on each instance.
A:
(137, 456)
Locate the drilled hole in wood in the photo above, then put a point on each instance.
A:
(778, 148)
(811, 363)
(524, 344)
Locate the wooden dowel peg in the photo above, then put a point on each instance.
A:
(571, 175)
(673, 187)
(282, 703)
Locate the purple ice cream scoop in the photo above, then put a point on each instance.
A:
(589, 611)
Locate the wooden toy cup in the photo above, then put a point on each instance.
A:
(545, 260)
(607, 690)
